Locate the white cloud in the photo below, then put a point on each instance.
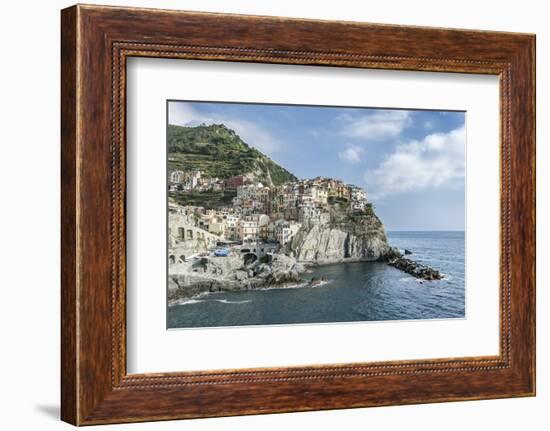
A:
(379, 125)
(254, 135)
(352, 154)
(182, 114)
(434, 161)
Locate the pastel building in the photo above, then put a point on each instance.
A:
(247, 229)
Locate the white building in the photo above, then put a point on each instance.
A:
(231, 222)
(285, 230)
(312, 215)
(177, 177)
(358, 198)
(193, 179)
(357, 193)
(358, 205)
(309, 213)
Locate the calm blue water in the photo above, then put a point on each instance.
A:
(363, 291)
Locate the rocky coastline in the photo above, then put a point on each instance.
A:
(355, 238)
(358, 238)
(232, 273)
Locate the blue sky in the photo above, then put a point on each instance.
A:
(411, 163)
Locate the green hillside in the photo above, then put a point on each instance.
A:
(207, 199)
(218, 151)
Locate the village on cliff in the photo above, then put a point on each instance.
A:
(259, 220)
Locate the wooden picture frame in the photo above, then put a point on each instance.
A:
(95, 43)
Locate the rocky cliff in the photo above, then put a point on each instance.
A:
(347, 237)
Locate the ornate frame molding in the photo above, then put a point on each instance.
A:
(96, 41)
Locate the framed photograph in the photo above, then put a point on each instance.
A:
(264, 215)
(253, 243)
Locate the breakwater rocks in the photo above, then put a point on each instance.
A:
(395, 258)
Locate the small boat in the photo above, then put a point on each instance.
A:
(221, 252)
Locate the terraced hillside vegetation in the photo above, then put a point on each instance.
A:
(207, 199)
(218, 151)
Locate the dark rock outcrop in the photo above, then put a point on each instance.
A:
(395, 259)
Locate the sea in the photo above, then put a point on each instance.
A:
(352, 292)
